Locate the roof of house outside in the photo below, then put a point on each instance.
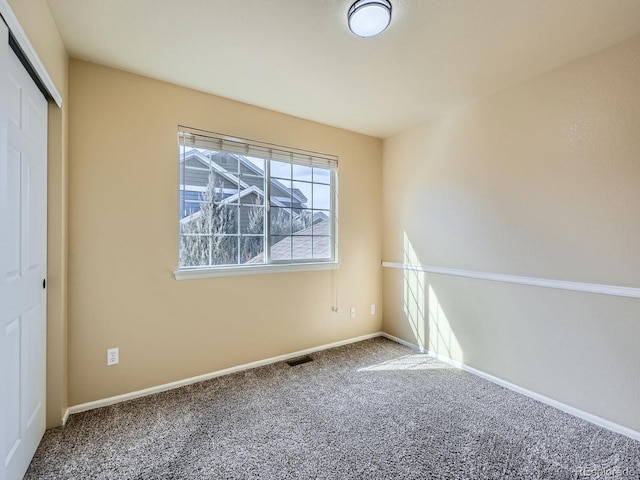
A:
(303, 247)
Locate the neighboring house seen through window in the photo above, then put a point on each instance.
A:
(245, 203)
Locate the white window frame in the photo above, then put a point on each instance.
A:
(266, 151)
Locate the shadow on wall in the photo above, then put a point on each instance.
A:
(428, 321)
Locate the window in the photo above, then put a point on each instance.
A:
(250, 204)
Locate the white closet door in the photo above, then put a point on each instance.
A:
(23, 240)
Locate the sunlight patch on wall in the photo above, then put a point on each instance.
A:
(414, 303)
(442, 339)
(428, 321)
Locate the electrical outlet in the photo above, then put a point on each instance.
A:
(113, 356)
(373, 309)
(353, 312)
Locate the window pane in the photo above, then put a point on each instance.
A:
(308, 216)
(280, 169)
(301, 222)
(192, 194)
(194, 250)
(280, 248)
(321, 175)
(251, 196)
(199, 222)
(251, 190)
(252, 219)
(252, 179)
(300, 172)
(302, 247)
(252, 165)
(321, 196)
(301, 194)
(322, 247)
(224, 219)
(194, 224)
(280, 221)
(226, 161)
(195, 178)
(321, 223)
(222, 189)
(281, 193)
(251, 249)
(224, 250)
(296, 220)
(188, 206)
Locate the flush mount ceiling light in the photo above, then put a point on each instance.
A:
(369, 17)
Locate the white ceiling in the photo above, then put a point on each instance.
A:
(299, 57)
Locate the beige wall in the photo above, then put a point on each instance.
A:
(123, 210)
(36, 20)
(541, 180)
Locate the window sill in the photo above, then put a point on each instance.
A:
(213, 272)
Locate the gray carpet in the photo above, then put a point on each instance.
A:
(370, 410)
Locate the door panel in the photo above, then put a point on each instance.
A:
(12, 422)
(13, 101)
(23, 177)
(35, 331)
(33, 212)
(12, 221)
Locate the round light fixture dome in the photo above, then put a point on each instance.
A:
(369, 17)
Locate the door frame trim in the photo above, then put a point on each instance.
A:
(16, 30)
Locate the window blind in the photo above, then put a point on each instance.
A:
(196, 138)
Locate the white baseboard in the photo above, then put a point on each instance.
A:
(65, 417)
(188, 381)
(601, 422)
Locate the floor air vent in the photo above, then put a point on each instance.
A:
(299, 361)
